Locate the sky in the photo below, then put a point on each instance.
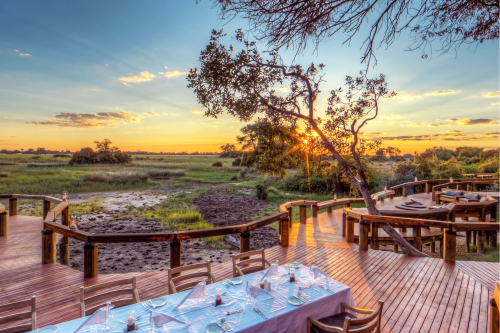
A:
(72, 72)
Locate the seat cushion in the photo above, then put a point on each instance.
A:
(472, 196)
(468, 200)
(335, 320)
(453, 193)
(483, 199)
(446, 196)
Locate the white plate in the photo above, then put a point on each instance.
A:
(294, 264)
(160, 301)
(295, 301)
(48, 329)
(235, 281)
(213, 328)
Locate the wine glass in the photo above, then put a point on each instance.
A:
(152, 321)
(105, 327)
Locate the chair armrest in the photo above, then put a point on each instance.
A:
(333, 329)
(212, 277)
(344, 306)
(458, 196)
(239, 272)
(268, 262)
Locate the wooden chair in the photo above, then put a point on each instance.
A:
(175, 277)
(243, 266)
(345, 322)
(19, 316)
(108, 296)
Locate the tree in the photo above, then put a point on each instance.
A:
(392, 151)
(243, 85)
(380, 153)
(228, 148)
(292, 23)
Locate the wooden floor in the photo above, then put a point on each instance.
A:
(420, 294)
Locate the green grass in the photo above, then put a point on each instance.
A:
(490, 255)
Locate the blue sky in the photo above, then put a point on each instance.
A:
(72, 72)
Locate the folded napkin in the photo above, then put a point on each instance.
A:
(98, 317)
(256, 290)
(197, 292)
(164, 318)
(271, 271)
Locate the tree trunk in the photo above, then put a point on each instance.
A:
(389, 230)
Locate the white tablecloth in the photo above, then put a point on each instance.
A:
(283, 317)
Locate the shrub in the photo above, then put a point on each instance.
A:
(237, 161)
(47, 165)
(36, 157)
(218, 164)
(261, 192)
(243, 174)
(490, 166)
(88, 156)
(116, 178)
(248, 159)
(161, 173)
(234, 177)
(61, 156)
(4, 175)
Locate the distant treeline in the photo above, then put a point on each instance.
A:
(43, 151)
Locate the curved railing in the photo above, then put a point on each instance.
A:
(283, 217)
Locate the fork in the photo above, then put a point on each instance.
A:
(222, 327)
(223, 321)
(227, 313)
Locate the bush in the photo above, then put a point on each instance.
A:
(243, 174)
(116, 178)
(4, 175)
(47, 165)
(218, 164)
(161, 173)
(237, 161)
(36, 157)
(490, 166)
(88, 156)
(61, 156)
(234, 177)
(248, 159)
(261, 192)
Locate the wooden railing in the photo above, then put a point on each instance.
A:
(428, 183)
(369, 222)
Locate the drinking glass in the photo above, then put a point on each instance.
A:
(152, 321)
(105, 327)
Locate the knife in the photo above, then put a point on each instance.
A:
(151, 303)
(222, 327)
(260, 312)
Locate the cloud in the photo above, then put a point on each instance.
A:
(454, 131)
(169, 114)
(429, 137)
(412, 125)
(492, 94)
(406, 95)
(440, 92)
(197, 112)
(439, 125)
(151, 113)
(143, 77)
(392, 116)
(23, 54)
(169, 75)
(478, 121)
(492, 133)
(89, 120)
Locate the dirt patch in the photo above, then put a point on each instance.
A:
(224, 211)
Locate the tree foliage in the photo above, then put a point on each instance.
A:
(105, 153)
(294, 24)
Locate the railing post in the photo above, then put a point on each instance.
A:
(290, 219)
(469, 186)
(364, 230)
(48, 246)
(244, 243)
(493, 239)
(375, 243)
(467, 241)
(46, 208)
(90, 260)
(303, 213)
(405, 191)
(175, 253)
(481, 235)
(329, 209)
(315, 211)
(285, 233)
(427, 188)
(417, 233)
(64, 245)
(12, 206)
(350, 229)
(493, 213)
(450, 246)
(344, 224)
(3, 224)
(433, 247)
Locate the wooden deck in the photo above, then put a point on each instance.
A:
(421, 294)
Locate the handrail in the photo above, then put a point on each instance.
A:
(455, 181)
(2, 208)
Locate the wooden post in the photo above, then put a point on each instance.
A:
(493, 239)
(494, 310)
(344, 224)
(405, 191)
(469, 187)
(417, 233)
(303, 213)
(364, 231)
(315, 210)
(375, 244)
(90, 260)
(64, 245)
(3, 224)
(48, 246)
(450, 246)
(290, 219)
(427, 188)
(350, 230)
(433, 247)
(493, 213)
(46, 208)
(396, 248)
(402, 229)
(175, 253)
(12, 206)
(474, 237)
(480, 241)
(467, 241)
(329, 209)
(285, 233)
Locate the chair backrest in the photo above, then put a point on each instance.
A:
(102, 298)
(373, 322)
(248, 265)
(12, 317)
(174, 277)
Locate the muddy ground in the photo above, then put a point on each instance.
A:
(121, 216)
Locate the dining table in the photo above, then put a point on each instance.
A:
(273, 311)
